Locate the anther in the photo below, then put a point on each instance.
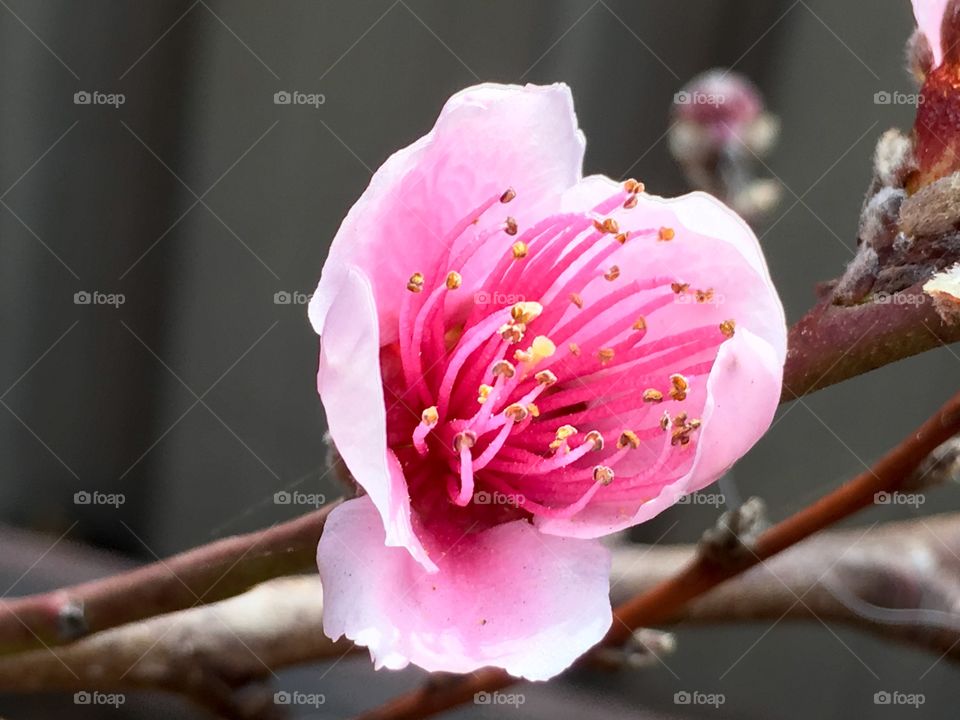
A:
(622, 237)
(665, 421)
(632, 186)
(533, 410)
(519, 250)
(605, 355)
(704, 296)
(679, 287)
(666, 234)
(630, 202)
(512, 332)
(628, 438)
(640, 323)
(526, 312)
(728, 328)
(466, 439)
(430, 416)
(483, 392)
(574, 349)
(680, 387)
(508, 195)
(504, 368)
(603, 474)
(652, 395)
(576, 300)
(510, 226)
(545, 378)
(415, 283)
(612, 274)
(516, 412)
(596, 438)
(454, 280)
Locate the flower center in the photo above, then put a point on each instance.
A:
(533, 398)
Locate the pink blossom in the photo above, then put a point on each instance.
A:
(929, 15)
(516, 361)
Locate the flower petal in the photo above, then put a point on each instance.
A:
(507, 597)
(352, 393)
(487, 138)
(929, 15)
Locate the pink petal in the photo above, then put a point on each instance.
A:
(487, 138)
(712, 248)
(929, 15)
(507, 597)
(352, 393)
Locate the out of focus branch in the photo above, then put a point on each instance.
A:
(218, 655)
(196, 577)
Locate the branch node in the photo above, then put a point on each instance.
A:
(730, 542)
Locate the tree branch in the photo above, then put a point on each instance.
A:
(665, 600)
(199, 576)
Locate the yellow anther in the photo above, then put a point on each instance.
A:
(504, 368)
(603, 475)
(680, 387)
(526, 312)
(519, 250)
(652, 395)
(605, 355)
(545, 377)
(666, 234)
(415, 283)
(516, 412)
(430, 416)
(596, 438)
(454, 280)
(628, 438)
(576, 300)
(483, 392)
(728, 328)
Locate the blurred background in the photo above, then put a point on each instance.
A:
(187, 385)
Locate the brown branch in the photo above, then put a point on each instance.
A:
(210, 654)
(832, 342)
(665, 600)
(199, 576)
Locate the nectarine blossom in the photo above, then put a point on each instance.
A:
(516, 361)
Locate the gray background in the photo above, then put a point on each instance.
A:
(97, 198)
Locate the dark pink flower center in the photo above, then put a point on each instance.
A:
(514, 405)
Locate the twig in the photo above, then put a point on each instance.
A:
(832, 343)
(665, 600)
(199, 576)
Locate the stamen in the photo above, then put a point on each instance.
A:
(612, 274)
(483, 393)
(454, 280)
(508, 195)
(503, 368)
(603, 474)
(605, 355)
(564, 432)
(679, 287)
(666, 234)
(510, 226)
(652, 395)
(545, 377)
(516, 413)
(628, 438)
(415, 283)
(728, 327)
(576, 300)
(464, 440)
(630, 202)
(519, 249)
(680, 387)
(526, 312)
(595, 438)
